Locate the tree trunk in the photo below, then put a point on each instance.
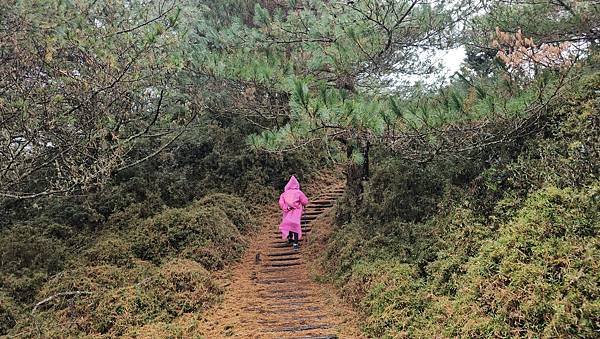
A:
(354, 182)
(357, 173)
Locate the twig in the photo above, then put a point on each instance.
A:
(146, 22)
(61, 294)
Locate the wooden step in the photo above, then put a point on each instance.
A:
(304, 229)
(298, 328)
(286, 258)
(281, 254)
(281, 284)
(280, 245)
(313, 212)
(321, 202)
(283, 311)
(278, 270)
(287, 296)
(283, 264)
(286, 322)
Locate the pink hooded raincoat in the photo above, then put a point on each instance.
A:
(292, 202)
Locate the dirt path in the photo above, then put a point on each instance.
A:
(271, 293)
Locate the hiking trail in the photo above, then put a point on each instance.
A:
(271, 294)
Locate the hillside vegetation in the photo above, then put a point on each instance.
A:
(507, 249)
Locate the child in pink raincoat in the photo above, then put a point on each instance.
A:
(292, 202)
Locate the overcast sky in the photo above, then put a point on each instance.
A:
(449, 60)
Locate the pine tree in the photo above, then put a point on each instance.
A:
(329, 60)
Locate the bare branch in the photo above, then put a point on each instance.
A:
(61, 294)
(161, 15)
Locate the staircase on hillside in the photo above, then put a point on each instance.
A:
(288, 310)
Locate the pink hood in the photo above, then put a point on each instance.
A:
(289, 195)
(293, 184)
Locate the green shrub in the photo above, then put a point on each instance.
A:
(131, 216)
(71, 315)
(392, 182)
(460, 234)
(23, 286)
(186, 326)
(73, 213)
(24, 247)
(110, 249)
(201, 233)
(540, 276)
(392, 295)
(234, 207)
(506, 248)
(179, 286)
(186, 287)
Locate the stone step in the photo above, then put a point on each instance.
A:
(330, 197)
(314, 213)
(278, 270)
(281, 293)
(272, 281)
(284, 290)
(304, 229)
(280, 245)
(324, 205)
(293, 303)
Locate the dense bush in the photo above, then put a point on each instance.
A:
(533, 275)
(201, 233)
(539, 276)
(110, 249)
(178, 286)
(186, 326)
(234, 207)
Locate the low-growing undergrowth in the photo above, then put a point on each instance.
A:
(535, 274)
(111, 300)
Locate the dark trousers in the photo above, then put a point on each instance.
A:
(293, 237)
